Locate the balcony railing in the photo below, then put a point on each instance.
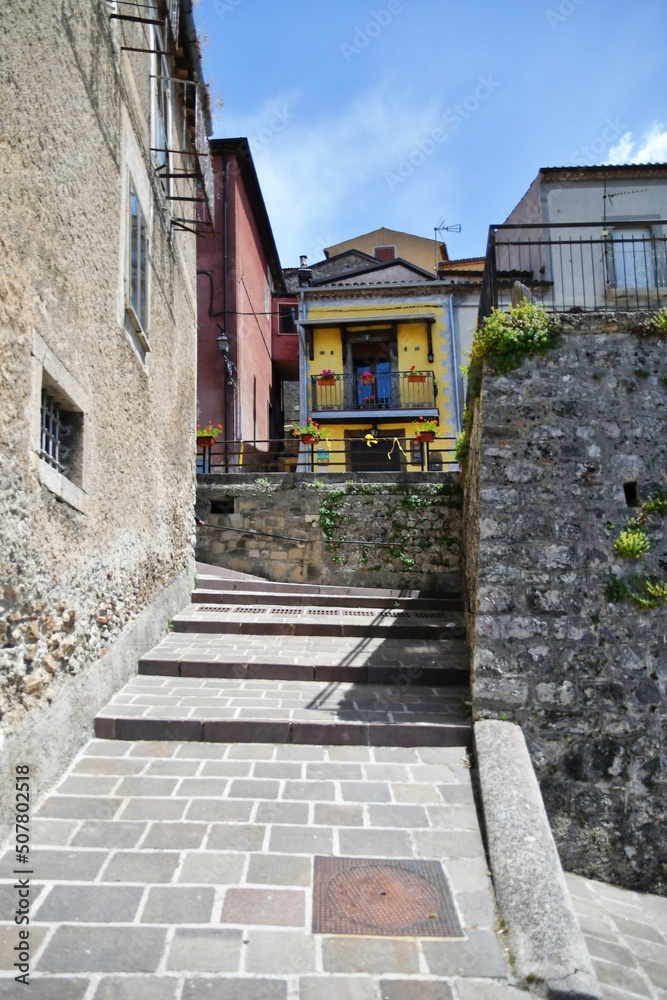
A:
(336, 455)
(386, 391)
(577, 266)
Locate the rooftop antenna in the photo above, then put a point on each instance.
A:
(442, 228)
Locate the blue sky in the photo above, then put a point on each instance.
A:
(402, 114)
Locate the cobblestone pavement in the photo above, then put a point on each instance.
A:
(626, 935)
(167, 871)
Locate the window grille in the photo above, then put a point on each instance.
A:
(55, 430)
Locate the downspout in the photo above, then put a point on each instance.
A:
(302, 462)
(455, 363)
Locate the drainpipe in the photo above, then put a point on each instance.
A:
(455, 364)
(302, 463)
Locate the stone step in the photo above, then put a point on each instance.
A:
(206, 581)
(255, 711)
(308, 620)
(309, 598)
(309, 658)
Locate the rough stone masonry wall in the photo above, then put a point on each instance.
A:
(553, 445)
(417, 518)
(74, 583)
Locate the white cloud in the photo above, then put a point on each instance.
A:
(313, 175)
(651, 147)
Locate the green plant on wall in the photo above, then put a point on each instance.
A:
(505, 338)
(659, 323)
(633, 543)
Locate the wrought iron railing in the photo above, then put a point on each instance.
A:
(385, 391)
(335, 455)
(577, 266)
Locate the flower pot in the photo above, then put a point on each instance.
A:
(367, 379)
(416, 378)
(309, 438)
(425, 437)
(326, 381)
(205, 442)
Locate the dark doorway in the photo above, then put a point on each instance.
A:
(377, 457)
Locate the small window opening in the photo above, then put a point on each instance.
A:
(631, 494)
(60, 437)
(222, 506)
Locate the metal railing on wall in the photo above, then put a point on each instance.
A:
(577, 267)
(382, 454)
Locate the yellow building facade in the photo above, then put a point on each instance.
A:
(378, 369)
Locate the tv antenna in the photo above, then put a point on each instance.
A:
(441, 228)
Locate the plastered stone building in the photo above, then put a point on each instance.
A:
(104, 136)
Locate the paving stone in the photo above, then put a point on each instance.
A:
(9, 938)
(407, 989)
(154, 809)
(277, 907)
(109, 765)
(336, 988)
(477, 909)
(147, 786)
(448, 844)
(235, 989)
(52, 832)
(85, 948)
(418, 794)
(372, 955)
(468, 874)
(635, 929)
(313, 791)
(103, 748)
(102, 833)
(453, 817)
(280, 952)
(478, 955)
(278, 769)
(178, 905)
(227, 769)
(141, 866)
(656, 972)
(89, 904)
(475, 989)
(455, 794)
(612, 974)
(177, 836)
(386, 772)
(135, 987)
(330, 771)
(65, 865)
(211, 868)
(395, 755)
(194, 950)
(365, 791)
(375, 843)
(79, 807)
(282, 812)
(337, 814)
(611, 951)
(248, 788)
(410, 816)
(201, 751)
(249, 751)
(235, 837)
(207, 788)
(153, 748)
(46, 988)
(88, 784)
(279, 869)
(301, 753)
(222, 811)
(300, 840)
(359, 755)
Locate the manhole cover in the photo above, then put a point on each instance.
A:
(383, 898)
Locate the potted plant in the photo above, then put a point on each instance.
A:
(326, 377)
(425, 430)
(414, 376)
(311, 432)
(206, 435)
(367, 377)
(369, 402)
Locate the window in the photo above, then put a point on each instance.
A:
(286, 319)
(384, 253)
(137, 258)
(639, 259)
(60, 436)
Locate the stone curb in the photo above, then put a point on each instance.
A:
(531, 892)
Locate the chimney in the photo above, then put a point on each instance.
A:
(304, 273)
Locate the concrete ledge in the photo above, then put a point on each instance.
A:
(531, 892)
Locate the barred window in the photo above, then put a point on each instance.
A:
(60, 437)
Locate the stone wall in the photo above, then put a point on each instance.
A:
(556, 448)
(378, 531)
(84, 555)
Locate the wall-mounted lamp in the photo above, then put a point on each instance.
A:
(223, 343)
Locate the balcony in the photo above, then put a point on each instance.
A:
(395, 395)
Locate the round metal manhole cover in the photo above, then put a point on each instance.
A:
(383, 898)
(378, 896)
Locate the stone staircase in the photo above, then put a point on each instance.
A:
(252, 661)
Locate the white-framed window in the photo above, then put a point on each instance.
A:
(137, 265)
(58, 427)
